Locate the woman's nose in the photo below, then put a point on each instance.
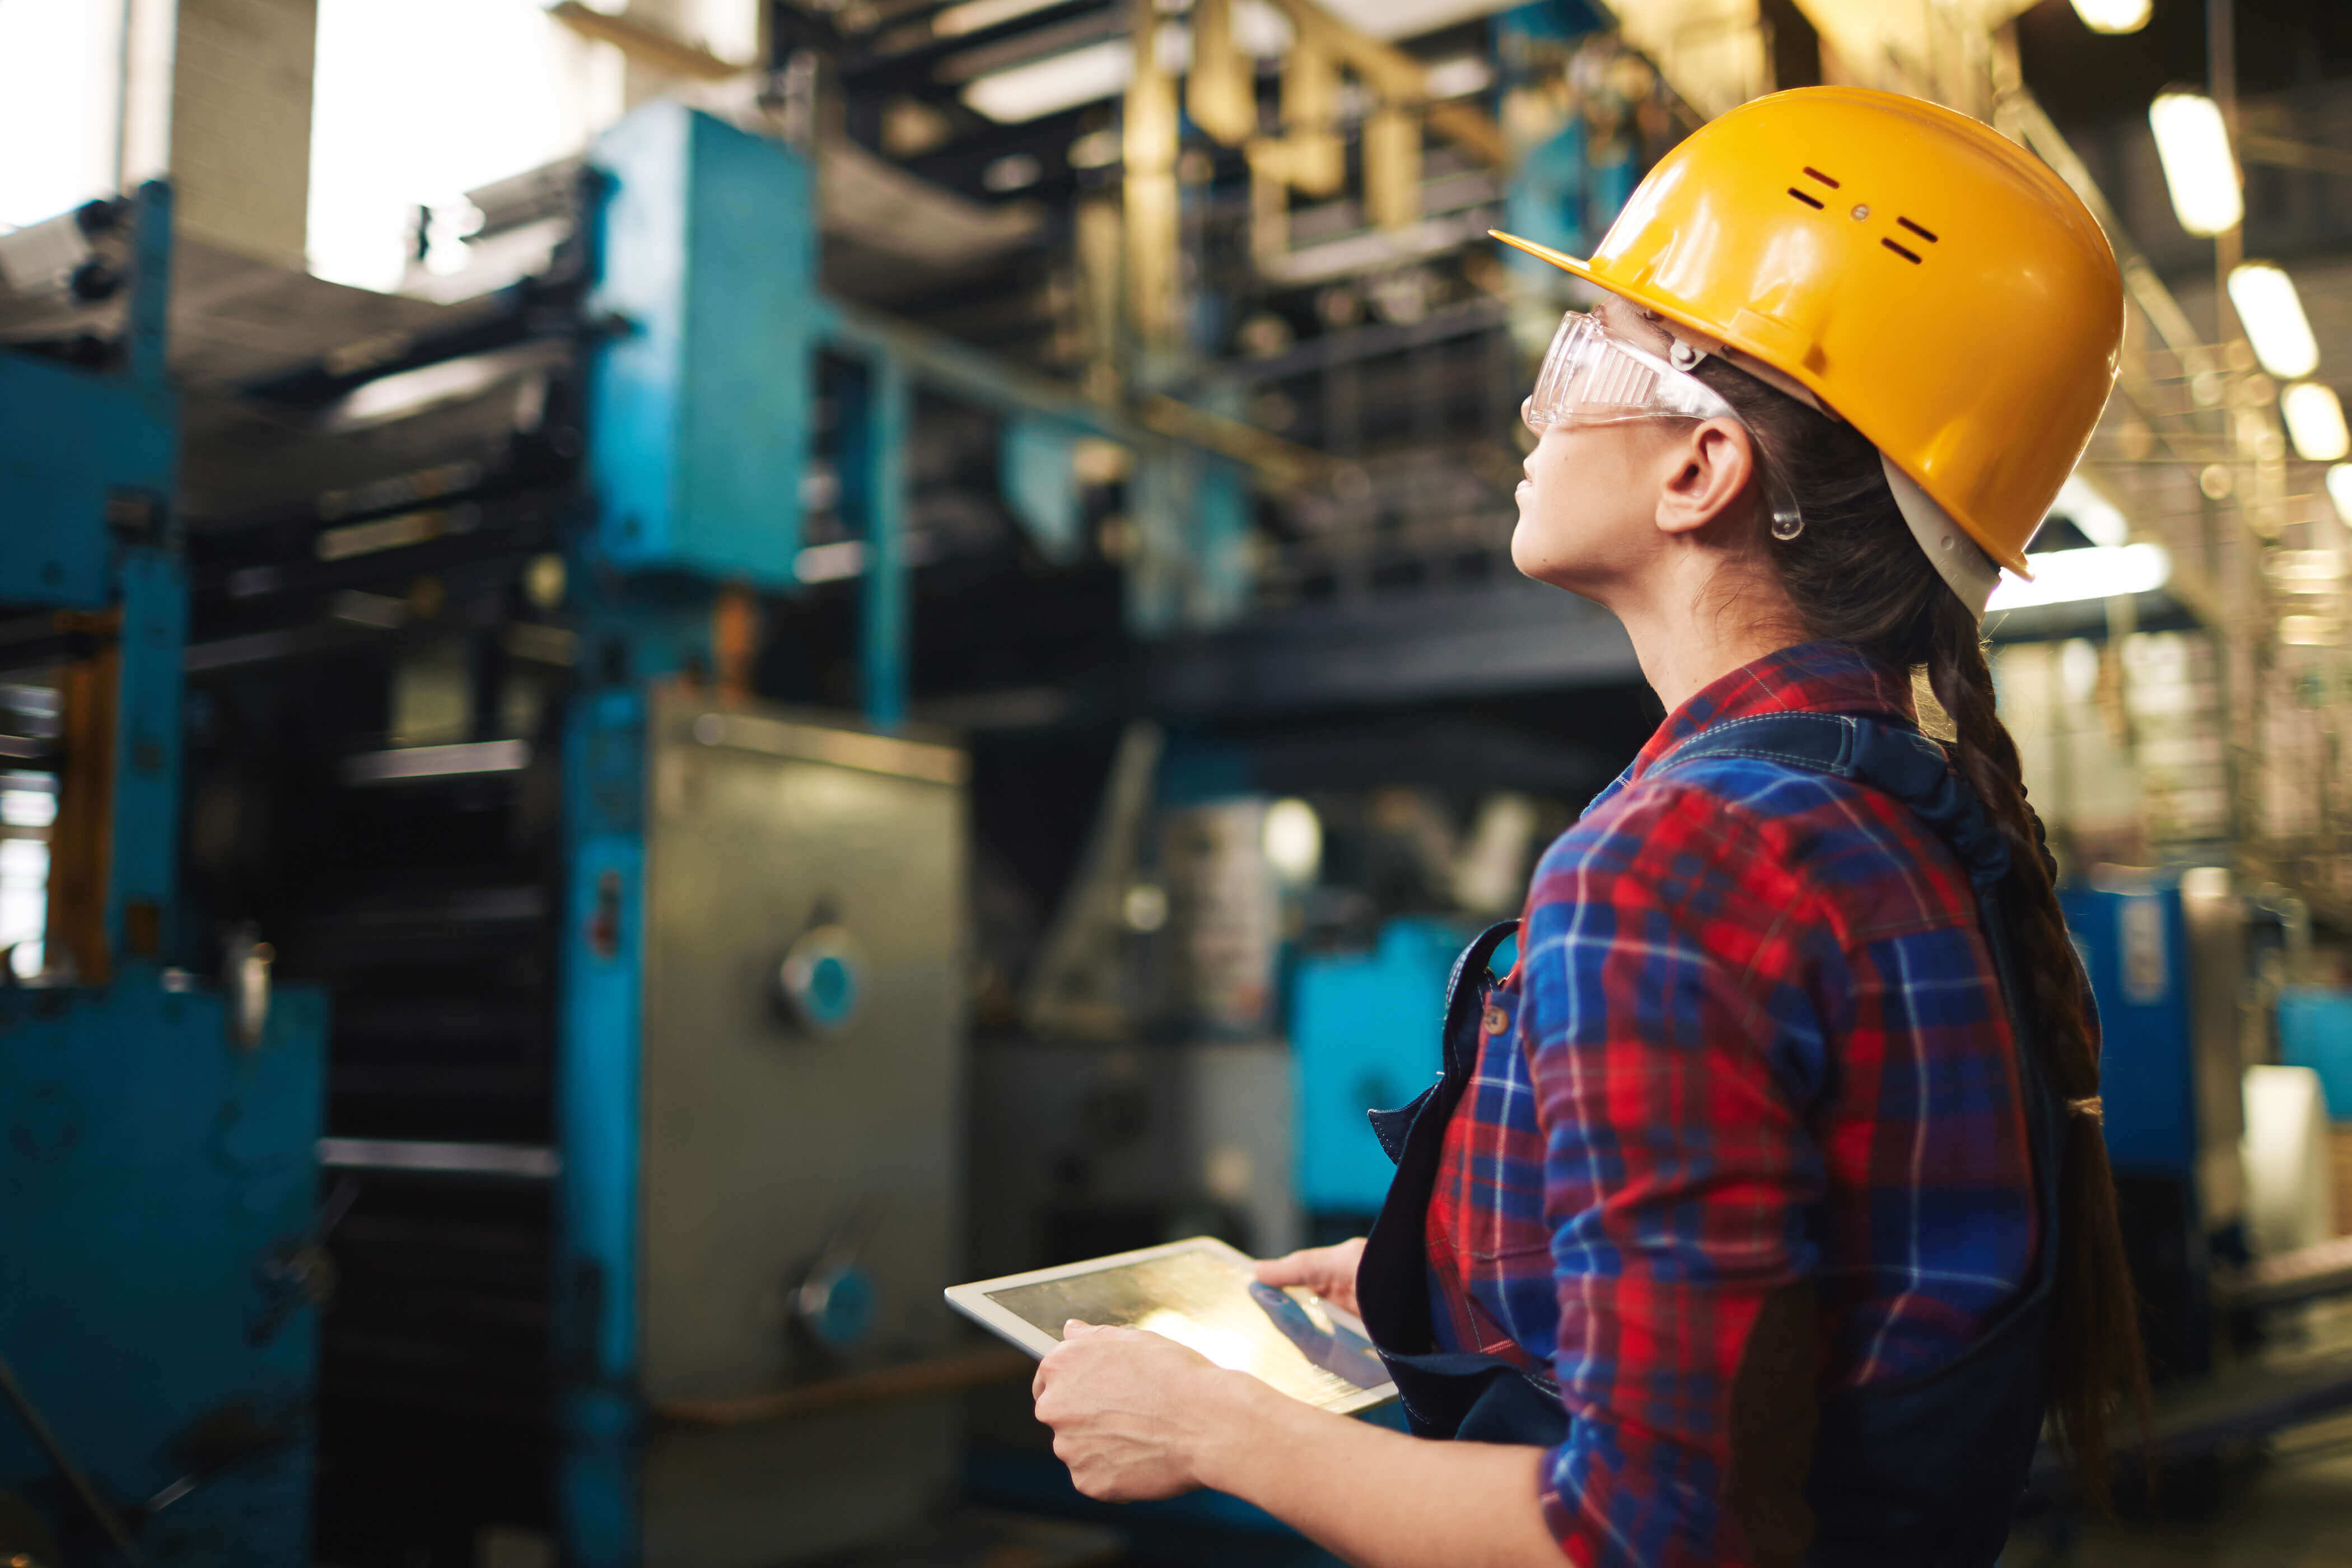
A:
(1525, 404)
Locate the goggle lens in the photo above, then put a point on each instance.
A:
(1589, 375)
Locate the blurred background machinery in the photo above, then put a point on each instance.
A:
(160, 1228)
(870, 643)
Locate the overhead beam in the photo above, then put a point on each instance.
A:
(648, 45)
(1399, 77)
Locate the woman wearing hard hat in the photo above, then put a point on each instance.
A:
(1761, 1213)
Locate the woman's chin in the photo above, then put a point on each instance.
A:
(1526, 554)
(1547, 567)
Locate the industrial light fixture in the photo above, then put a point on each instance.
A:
(2315, 422)
(2339, 491)
(1031, 91)
(2113, 15)
(973, 16)
(2105, 571)
(1293, 841)
(1458, 77)
(2200, 169)
(2272, 313)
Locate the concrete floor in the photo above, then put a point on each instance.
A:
(2290, 1508)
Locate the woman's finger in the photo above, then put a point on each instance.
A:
(1305, 1267)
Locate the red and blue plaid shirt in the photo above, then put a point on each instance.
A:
(1754, 1038)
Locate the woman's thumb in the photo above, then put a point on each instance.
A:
(1291, 1268)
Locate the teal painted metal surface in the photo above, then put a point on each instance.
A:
(144, 864)
(1192, 516)
(1220, 544)
(77, 449)
(699, 410)
(2314, 1026)
(879, 448)
(151, 1174)
(158, 1181)
(601, 1034)
(1159, 501)
(1364, 1032)
(1037, 460)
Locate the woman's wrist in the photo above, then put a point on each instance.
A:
(1239, 1417)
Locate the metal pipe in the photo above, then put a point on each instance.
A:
(992, 383)
(882, 632)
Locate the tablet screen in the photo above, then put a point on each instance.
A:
(1217, 1307)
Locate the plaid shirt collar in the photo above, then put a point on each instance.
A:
(1811, 677)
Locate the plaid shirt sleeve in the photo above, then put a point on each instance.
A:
(1667, 1002)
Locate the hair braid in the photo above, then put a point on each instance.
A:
(1856, 575)
(2095, 1347)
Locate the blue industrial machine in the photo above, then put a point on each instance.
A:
(2314, 1025)
(2165, 956)
(160, 1259)
(1364, 1035)
(648, 1046)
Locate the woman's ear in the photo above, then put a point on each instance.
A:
(1707, 470)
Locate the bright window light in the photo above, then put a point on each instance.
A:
(2062, 577)
(24, 899)
(2272, 313)
(1416, 18)
(2113, 16)
(478, 89)
(2315, 422)
(2339, 491)
(60, 88)
(2091, 512)
(1040, 88)
(2200, 169)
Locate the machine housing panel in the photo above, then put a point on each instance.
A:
(770, 1146)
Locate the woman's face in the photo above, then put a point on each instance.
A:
(1588, 507)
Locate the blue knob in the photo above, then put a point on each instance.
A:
(837, 1306)
(817, 985)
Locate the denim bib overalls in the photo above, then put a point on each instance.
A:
(1925, 1471)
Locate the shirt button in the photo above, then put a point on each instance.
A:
(1498, 1020)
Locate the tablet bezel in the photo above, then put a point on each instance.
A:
(973, 1301)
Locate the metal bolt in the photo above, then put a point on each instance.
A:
(1861, 211)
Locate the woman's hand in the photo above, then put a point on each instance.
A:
(1329, 1271)
(1132, 1412)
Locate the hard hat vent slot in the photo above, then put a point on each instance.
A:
(1811, 202)
(1911, 257)
(1914, 229)
(1822, 177)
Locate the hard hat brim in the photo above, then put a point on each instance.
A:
(2013, 559)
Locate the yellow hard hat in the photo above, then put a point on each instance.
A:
(1925, 277)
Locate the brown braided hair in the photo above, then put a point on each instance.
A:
(1857, 574)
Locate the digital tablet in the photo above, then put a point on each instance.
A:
(1199, 1293)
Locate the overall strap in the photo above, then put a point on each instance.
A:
(1465, 990)
(1889, 753)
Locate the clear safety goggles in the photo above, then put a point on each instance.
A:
(1591, 378)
